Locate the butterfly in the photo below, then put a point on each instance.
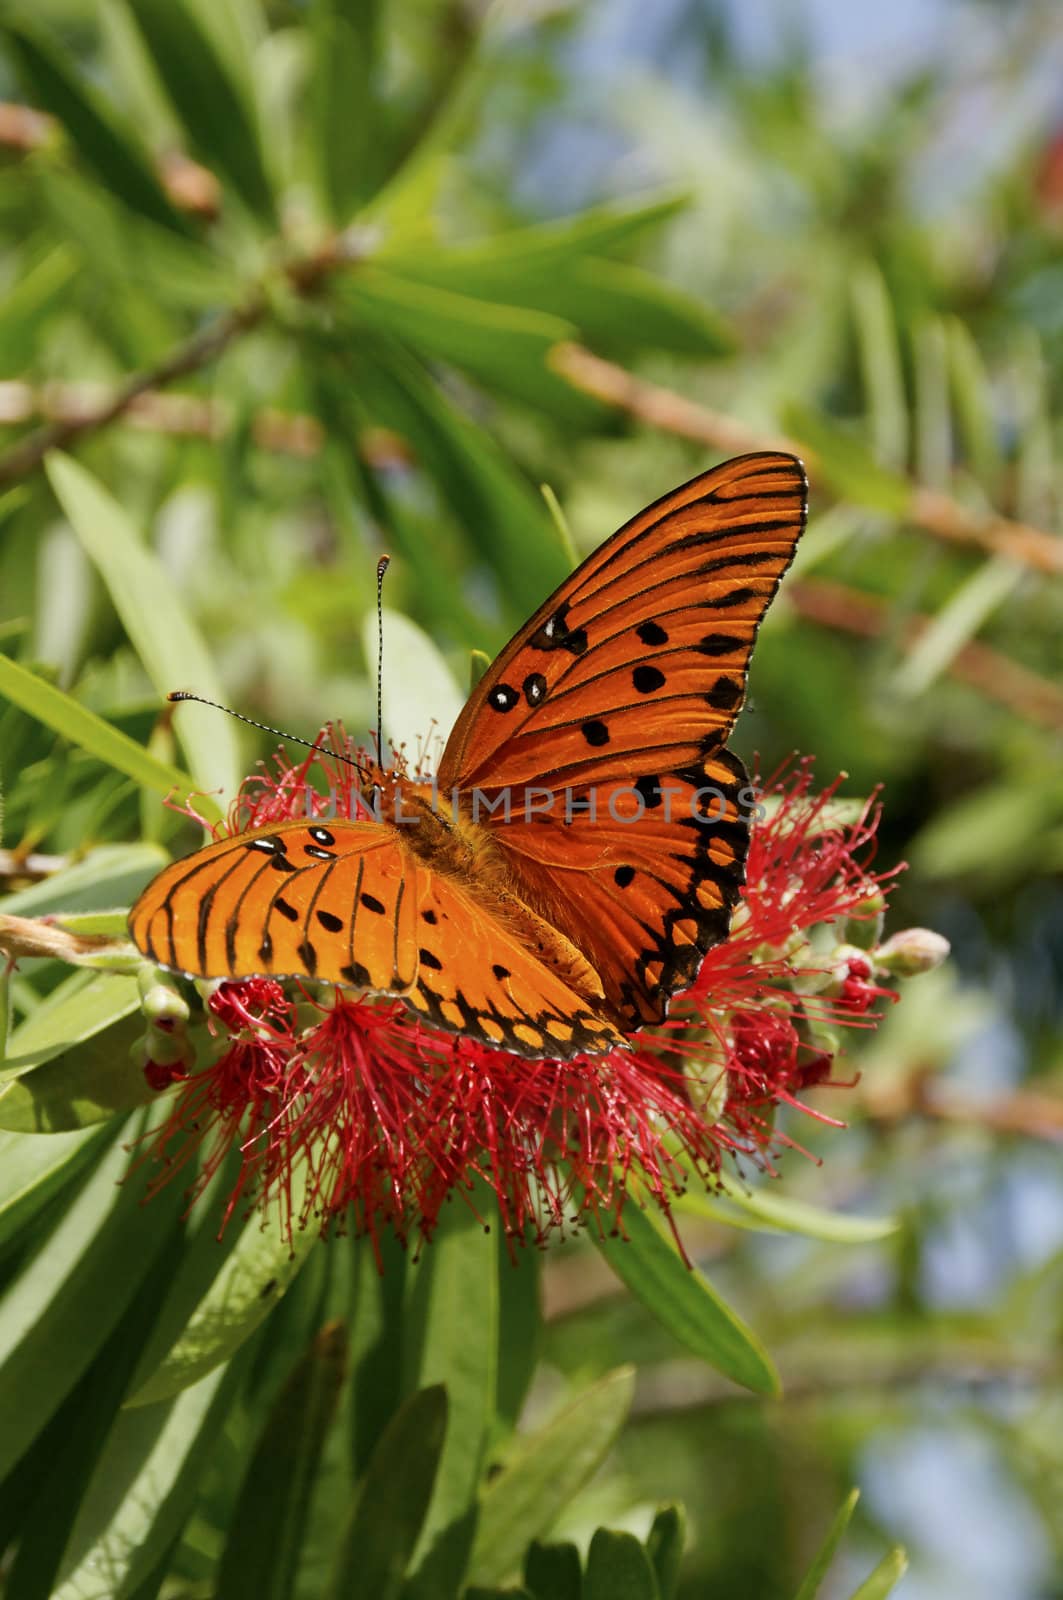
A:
(593, 845)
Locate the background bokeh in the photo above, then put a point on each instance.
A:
(837, 224)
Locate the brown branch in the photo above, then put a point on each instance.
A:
(929, 509)
(1027, 1112)
(189, 357)
(996, 676)
(189, 187)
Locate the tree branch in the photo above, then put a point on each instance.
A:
(996, 676)
(929, 509)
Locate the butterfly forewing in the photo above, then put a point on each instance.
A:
(642, 655)
(630, 677)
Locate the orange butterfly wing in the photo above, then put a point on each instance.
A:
(631, 677)
(349, 903)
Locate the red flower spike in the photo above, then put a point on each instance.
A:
(382, 1118)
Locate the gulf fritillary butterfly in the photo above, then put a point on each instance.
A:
(547, 931)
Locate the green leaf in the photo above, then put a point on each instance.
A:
(553, 1571)
(780, 1213)
(216, 116)
(505, 347)
(379, 1273)
(519, 1326)
(618, 1568)
(816, 1573)
(58, 1310)
(172, 651)
(664, 1546)
(342, 103)
(98, 137)
(268, 1522)
(955, 624)
(387, 1517)
(144, 1487)
(885, 1578)
(48, 1527)
(451, 1331)
(83, 1005)
(419, 696)
(499, 512)
(880, 361)
(545, 250)
(542, 1474)
(69, 1082)
(846, 464)
(685, 1303)
(250, 1281)
(972, 394)
(34, 1168)
(84, 728)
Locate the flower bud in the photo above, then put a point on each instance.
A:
(864, 924)
(912, 951)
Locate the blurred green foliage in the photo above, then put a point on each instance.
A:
(334, 245)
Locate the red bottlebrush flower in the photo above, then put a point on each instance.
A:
(343, 1108)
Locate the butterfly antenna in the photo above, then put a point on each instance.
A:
(381, 567)
(178, 695)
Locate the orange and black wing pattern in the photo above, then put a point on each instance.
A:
(348, 903)
(630, 677)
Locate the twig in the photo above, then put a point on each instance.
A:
(1026, 1112)
(189, 186)
(996, 676)
(929, 509)
(195, 353)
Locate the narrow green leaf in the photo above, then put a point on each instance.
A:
(885, 1578)
(216, 116)
(618, 1568)
(846, 464)
(34, 1168)
(553, 1571)
(387, 1517)
(810, 1584)
(505, 347)
(452, 1333)
(250, 1281)
(98, 137)
(84, 728)
(955, 624)
(490, 266)
(664, 1546)
(58, 1310)
(780, 1213)
(343, 106)
(87, 1084)
(376, 1342)
(478, 1593)
(47, 1529)
(143, 1489)
(972, 395)
(500, 514)
(685, 1303)
(880, 361)
(172, 651)
(268, 1522)
(933, 420)
(543, 1473)
(519, 1327)
(83, 1005)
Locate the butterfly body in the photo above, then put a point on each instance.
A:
(584, 843)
